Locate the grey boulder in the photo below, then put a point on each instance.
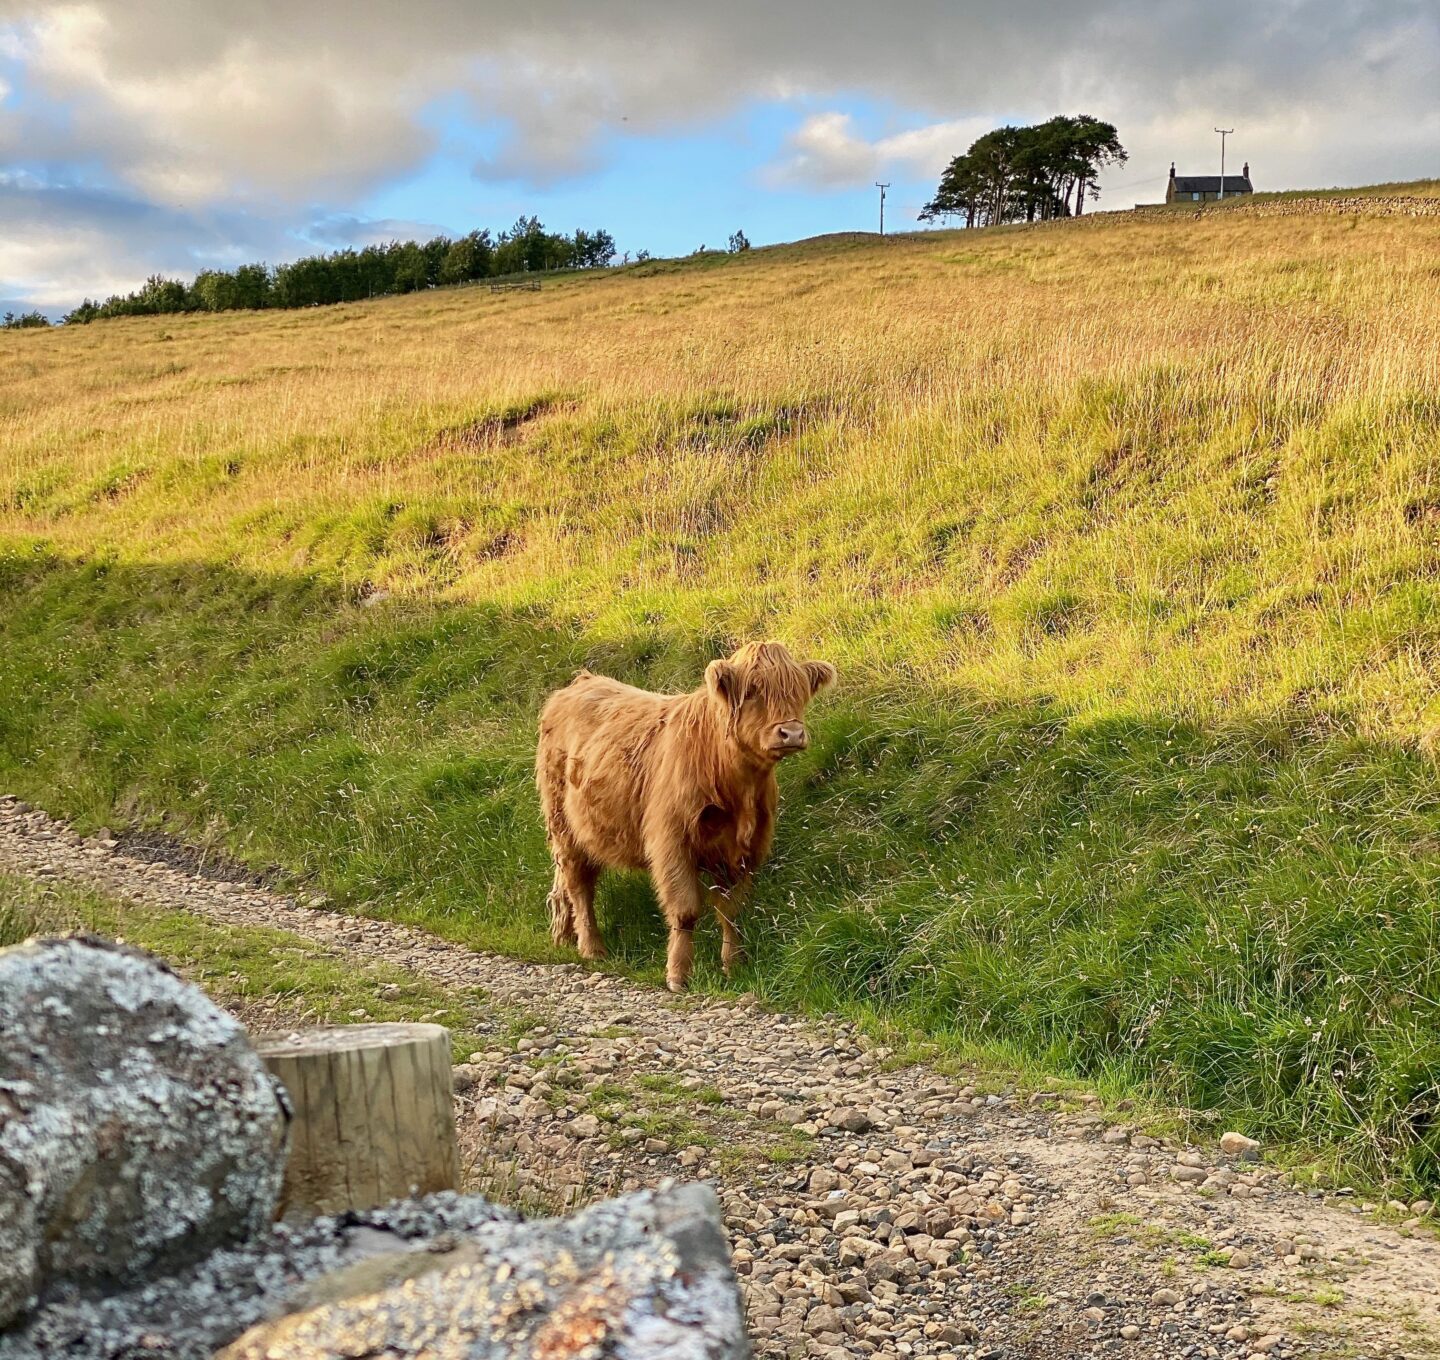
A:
(647, 1276)
(447, 1276)
(139, 1130)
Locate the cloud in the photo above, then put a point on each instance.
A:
(826, 152)
(59, 243)
(245, 128)
(204, 111)
(307, 102)
(339, 230)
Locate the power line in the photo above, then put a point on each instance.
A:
(1133, 184)
(882, 188)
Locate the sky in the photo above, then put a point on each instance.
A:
(145, 136)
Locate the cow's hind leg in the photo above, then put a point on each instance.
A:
(727, 909)
(572, 894)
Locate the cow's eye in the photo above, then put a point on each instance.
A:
(751, 692)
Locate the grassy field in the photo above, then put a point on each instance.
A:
(1125, 541)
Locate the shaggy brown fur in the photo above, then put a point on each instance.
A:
(680, 784)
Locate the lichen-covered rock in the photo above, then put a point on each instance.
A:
(644, 1276)
(189, 1315)
(138, 1128)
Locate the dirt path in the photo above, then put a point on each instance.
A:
(874, 1210)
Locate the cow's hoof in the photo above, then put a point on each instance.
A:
(675, 986)
(595, 953)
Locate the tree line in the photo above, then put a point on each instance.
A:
(350, 275)
(1025, 174)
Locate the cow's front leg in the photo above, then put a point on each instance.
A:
(677, 883)
(728, 902)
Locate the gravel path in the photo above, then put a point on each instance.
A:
(874, 1209)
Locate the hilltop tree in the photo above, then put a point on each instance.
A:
(468, 258)
(1015, 173)
(412, 268)
(593, 249)
(252, 287)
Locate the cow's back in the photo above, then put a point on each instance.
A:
(597, 738)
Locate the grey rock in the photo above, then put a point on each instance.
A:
(465, 1077)
(139, 1130)
(647, 1274)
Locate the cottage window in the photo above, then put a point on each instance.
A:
(1196, 197)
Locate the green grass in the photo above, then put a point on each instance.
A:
(1240, 918)
(1131, 575)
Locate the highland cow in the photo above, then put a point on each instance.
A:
(680, 784)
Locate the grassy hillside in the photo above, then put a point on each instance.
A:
(1124, 539)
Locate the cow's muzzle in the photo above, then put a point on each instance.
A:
(790, 737)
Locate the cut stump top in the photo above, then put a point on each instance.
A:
(345, 1038)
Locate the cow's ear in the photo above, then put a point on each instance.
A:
(723, 681)
(821, 675)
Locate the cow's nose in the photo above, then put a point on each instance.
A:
(793, 734)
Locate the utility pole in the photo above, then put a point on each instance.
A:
(882, 188)
(1224, 133)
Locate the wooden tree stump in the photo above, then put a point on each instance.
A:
(374, 1120)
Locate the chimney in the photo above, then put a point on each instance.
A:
(1172, 169)
(1246, 170)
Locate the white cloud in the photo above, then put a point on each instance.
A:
(217, 115)
(338, 230)
(60, 243)
(826, 152)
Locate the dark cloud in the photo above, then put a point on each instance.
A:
(61, 242)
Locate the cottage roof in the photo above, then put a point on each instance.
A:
(1210, 184)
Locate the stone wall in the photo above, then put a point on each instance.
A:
(1364, 205)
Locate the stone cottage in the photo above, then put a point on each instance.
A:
(1206, 188)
